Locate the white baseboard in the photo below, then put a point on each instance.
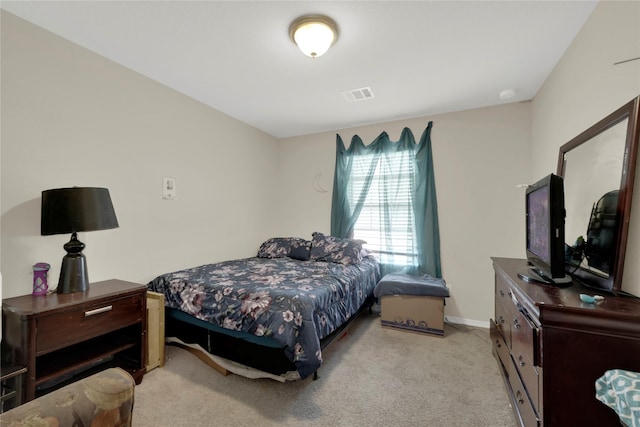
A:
(468, 322)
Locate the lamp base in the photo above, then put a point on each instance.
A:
(73, 274)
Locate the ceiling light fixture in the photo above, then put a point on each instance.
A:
(314, 34)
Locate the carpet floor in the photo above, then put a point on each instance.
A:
(370, 377)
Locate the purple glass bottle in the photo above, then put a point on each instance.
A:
(40, 286)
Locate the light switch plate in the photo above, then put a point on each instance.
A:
(169, 191)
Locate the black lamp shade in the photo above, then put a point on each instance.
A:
(69, 210)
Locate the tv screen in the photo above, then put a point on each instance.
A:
(538, 223)
(544, 205)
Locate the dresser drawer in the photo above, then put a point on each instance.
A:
(530, 376)
(86, 321)
(502, 323)
(499, 344)
(524, 335)
(504, 309)
(526, 411)
(503, 291)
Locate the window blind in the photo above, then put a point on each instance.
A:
(386, 221)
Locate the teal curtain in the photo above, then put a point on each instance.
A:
(418, 158)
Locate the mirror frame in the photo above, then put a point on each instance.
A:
(630, 111)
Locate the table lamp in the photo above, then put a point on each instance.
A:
(71, 210)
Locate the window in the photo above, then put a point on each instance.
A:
(386, 221)
(385, 193)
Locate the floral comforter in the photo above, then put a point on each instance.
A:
(294, 302)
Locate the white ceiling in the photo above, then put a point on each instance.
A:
(420, 58)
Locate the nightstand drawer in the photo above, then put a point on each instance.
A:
(86, 321)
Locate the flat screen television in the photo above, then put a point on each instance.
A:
(545, 215)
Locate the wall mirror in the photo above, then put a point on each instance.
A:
(598, 167)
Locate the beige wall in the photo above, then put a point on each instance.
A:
(480, 156)
(73, 118)
(585, 87)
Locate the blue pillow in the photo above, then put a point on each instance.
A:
(302, 253)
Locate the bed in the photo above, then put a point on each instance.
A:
(274, 312)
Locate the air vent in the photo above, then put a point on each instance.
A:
(358, 94)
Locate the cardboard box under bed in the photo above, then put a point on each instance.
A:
(412, 304)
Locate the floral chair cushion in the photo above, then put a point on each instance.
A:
(104, 399)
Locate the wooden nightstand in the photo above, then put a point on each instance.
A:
(62, 337)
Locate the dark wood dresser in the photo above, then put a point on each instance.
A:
(62, 337)
(552, 347)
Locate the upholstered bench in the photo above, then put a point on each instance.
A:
(412, 303)
(104, 399)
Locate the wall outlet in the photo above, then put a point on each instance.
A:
(169, 191)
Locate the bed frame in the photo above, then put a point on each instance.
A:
(269, 359)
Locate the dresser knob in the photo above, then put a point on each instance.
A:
(519, 397)
(516, 323)
(521, 361)
(498, 344)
